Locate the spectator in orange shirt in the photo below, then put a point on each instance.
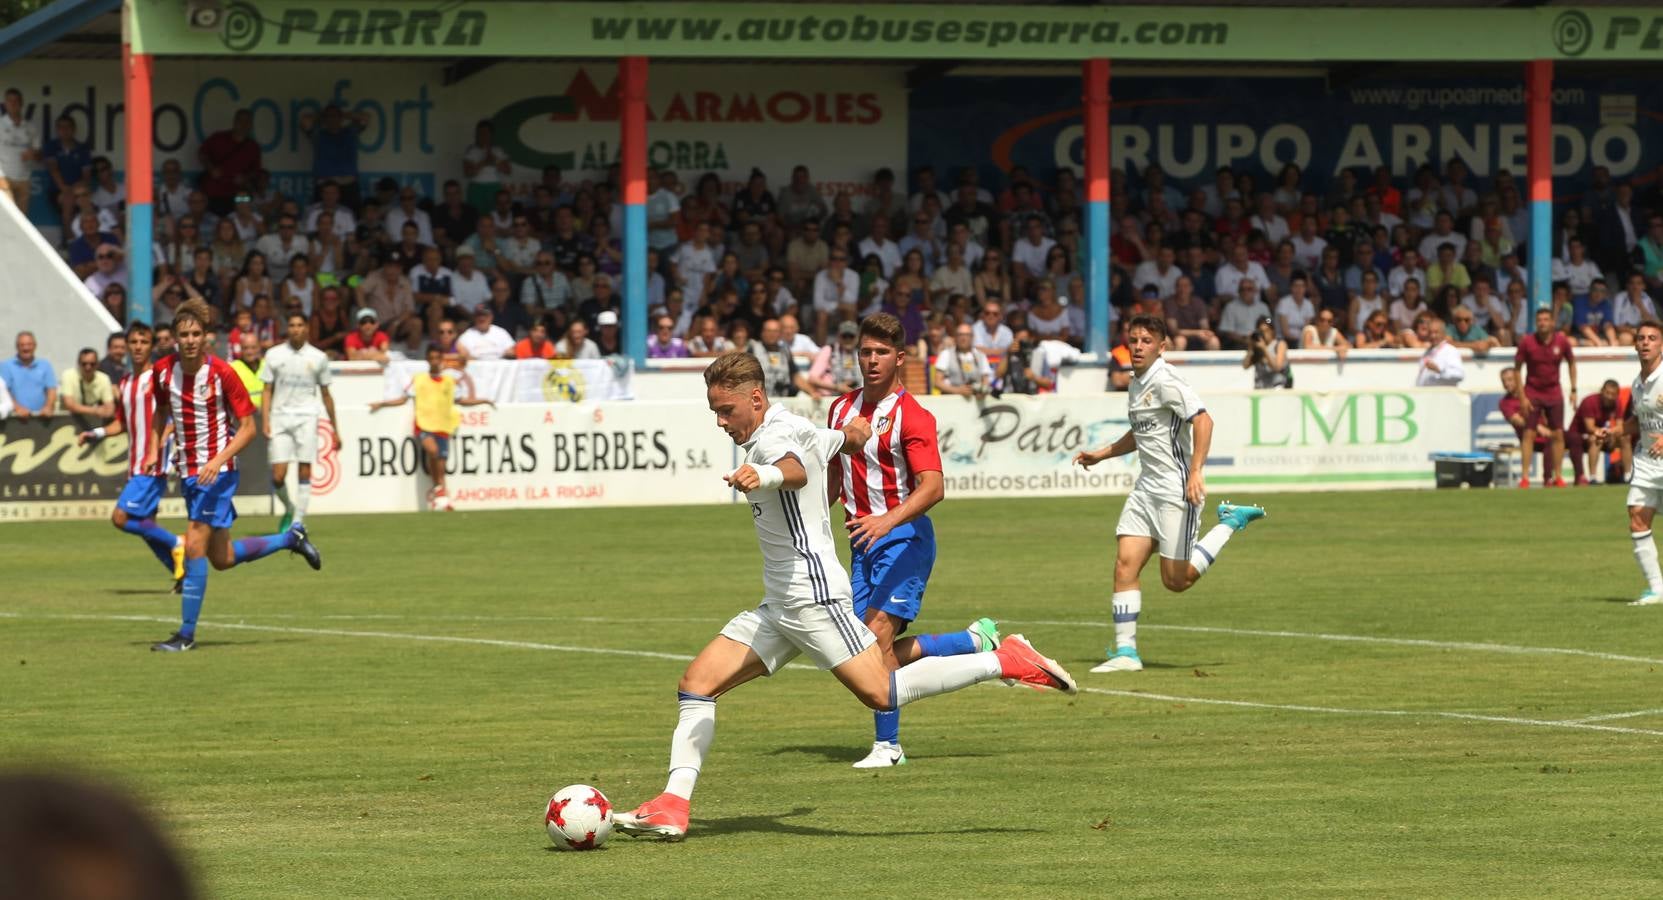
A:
(536, 345)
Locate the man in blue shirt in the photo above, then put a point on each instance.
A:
(335, 148)
(83, 251)
(68, 163)
(33, 384)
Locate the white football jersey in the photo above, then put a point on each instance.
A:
(1646, 402)
(1161, 406)
(299, 376)
(799, 558)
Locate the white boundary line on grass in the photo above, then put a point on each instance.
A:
(1577, 724)
(1475, 646)
(1364, 639)
(1610, 716)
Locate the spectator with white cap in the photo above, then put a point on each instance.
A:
(469, 286)
(607, 337)
(486, 340)
(367, 340)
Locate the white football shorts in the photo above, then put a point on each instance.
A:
(778, 631)
(294, 439)
(1173, 526)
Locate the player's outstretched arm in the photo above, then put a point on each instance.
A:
(1088, 458)
(383, 404)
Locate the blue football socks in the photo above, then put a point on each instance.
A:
(158, 539)
(250, 549)
(190, 599)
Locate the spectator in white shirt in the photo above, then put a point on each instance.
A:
(1296, 310)
(1267, 221)
(1230, 275)
(694, 265)
(547, 288)
(486, 340)
(836, 293)
(1488, 312)
(878, 244)
(1440, 365)
(1443, 232)
(1508, 272)
(1576, 269)
(1308, 245)
(1240, 317)
(281, 246)
(792, 336)
(1409, 267)
(469, 287)
(1031, 250)
(1162, 272)
(407, 211)
(173, 195)
(962, 369)
(922, 238)
(925, 183)
(576, 344)
(990, 333)
(1632, 307)
(110, 270)
(1222, 189)
(954, 277)
(329, 201)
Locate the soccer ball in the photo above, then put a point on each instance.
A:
(579, 818)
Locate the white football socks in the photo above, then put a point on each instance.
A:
(695, 730)
(1209, 547)
(1645, 553)
(942, 674)
(1126, 606)
(303, 497)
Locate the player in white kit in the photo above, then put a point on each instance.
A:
(807, 605)
(297, 378)
(1171, 433)
(1645, 428)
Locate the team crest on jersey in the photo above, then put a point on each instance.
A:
(882, 426)
(1147, 399)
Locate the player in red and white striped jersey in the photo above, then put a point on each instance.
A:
(135, 509)
(213, 420)
(887, 489)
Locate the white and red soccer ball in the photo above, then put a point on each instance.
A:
(579, 818)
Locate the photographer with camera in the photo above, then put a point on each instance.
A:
(1267, 356)
(1016, 371)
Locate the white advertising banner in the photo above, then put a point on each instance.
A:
(843, 123)
(528, 380)
(514, 457)
(632, 454)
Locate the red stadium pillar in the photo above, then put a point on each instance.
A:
(1539, 163)
(1095, 73)
(136, 68)
(633, 75)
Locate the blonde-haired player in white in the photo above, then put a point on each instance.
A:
(807, 605)
(1645, 426)
(1171, 433)
(297, 392)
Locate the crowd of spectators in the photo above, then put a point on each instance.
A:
(986, 279)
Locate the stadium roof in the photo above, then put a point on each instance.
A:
(91, 30)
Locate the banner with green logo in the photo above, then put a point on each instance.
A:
(935, 31)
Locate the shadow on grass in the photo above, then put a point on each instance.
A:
(141, 592)
(774, 824)
(847, 754)
(1622, 600)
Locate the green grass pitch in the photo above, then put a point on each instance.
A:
(391, 726)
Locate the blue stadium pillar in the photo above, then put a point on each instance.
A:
(633, 74)
(1096, 75)
(140, 184)
(1539, 165)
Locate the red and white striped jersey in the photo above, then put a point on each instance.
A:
(135, 408)
(204, 407)
(883, 474)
